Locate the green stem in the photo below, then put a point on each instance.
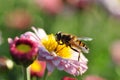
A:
(78, 77)
(45, 75)
(26, 73)
(35, 78)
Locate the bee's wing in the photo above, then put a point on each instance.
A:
(85, 39)
(84, 49)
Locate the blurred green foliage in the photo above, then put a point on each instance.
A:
(94, 22)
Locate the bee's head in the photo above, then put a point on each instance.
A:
(58, 36)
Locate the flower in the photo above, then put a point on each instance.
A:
(37, 68)
(50, 6)
(115, 52)
(81, 4)
(93, 77)
(58, 56)
(18, 19)
(23, 50)
(68, 78)
(113, 6)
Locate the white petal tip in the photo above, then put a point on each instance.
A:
(10, 40)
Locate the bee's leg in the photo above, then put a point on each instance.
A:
(78, 56)
(56, 48)
(74, 49)
(60, 49)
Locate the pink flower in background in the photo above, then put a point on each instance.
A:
(93, 77)
(115, 52)
(37, 68)
(113, 6)
(58, 56)
(50, 6)
(69, 78)
(23, 50)
(18, 19)
(82, 4)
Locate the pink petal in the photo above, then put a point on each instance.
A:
(50, 66)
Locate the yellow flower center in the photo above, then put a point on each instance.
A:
(52, 46)
(35, 66)
(24, 48)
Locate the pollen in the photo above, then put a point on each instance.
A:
(52, 46)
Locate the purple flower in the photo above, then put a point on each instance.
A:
(23, 50)
(58, 56)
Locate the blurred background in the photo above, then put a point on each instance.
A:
(98, 19)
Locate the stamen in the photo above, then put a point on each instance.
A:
(52, 46)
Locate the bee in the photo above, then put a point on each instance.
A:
(73, 42)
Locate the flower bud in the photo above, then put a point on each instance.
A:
(23, 50)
